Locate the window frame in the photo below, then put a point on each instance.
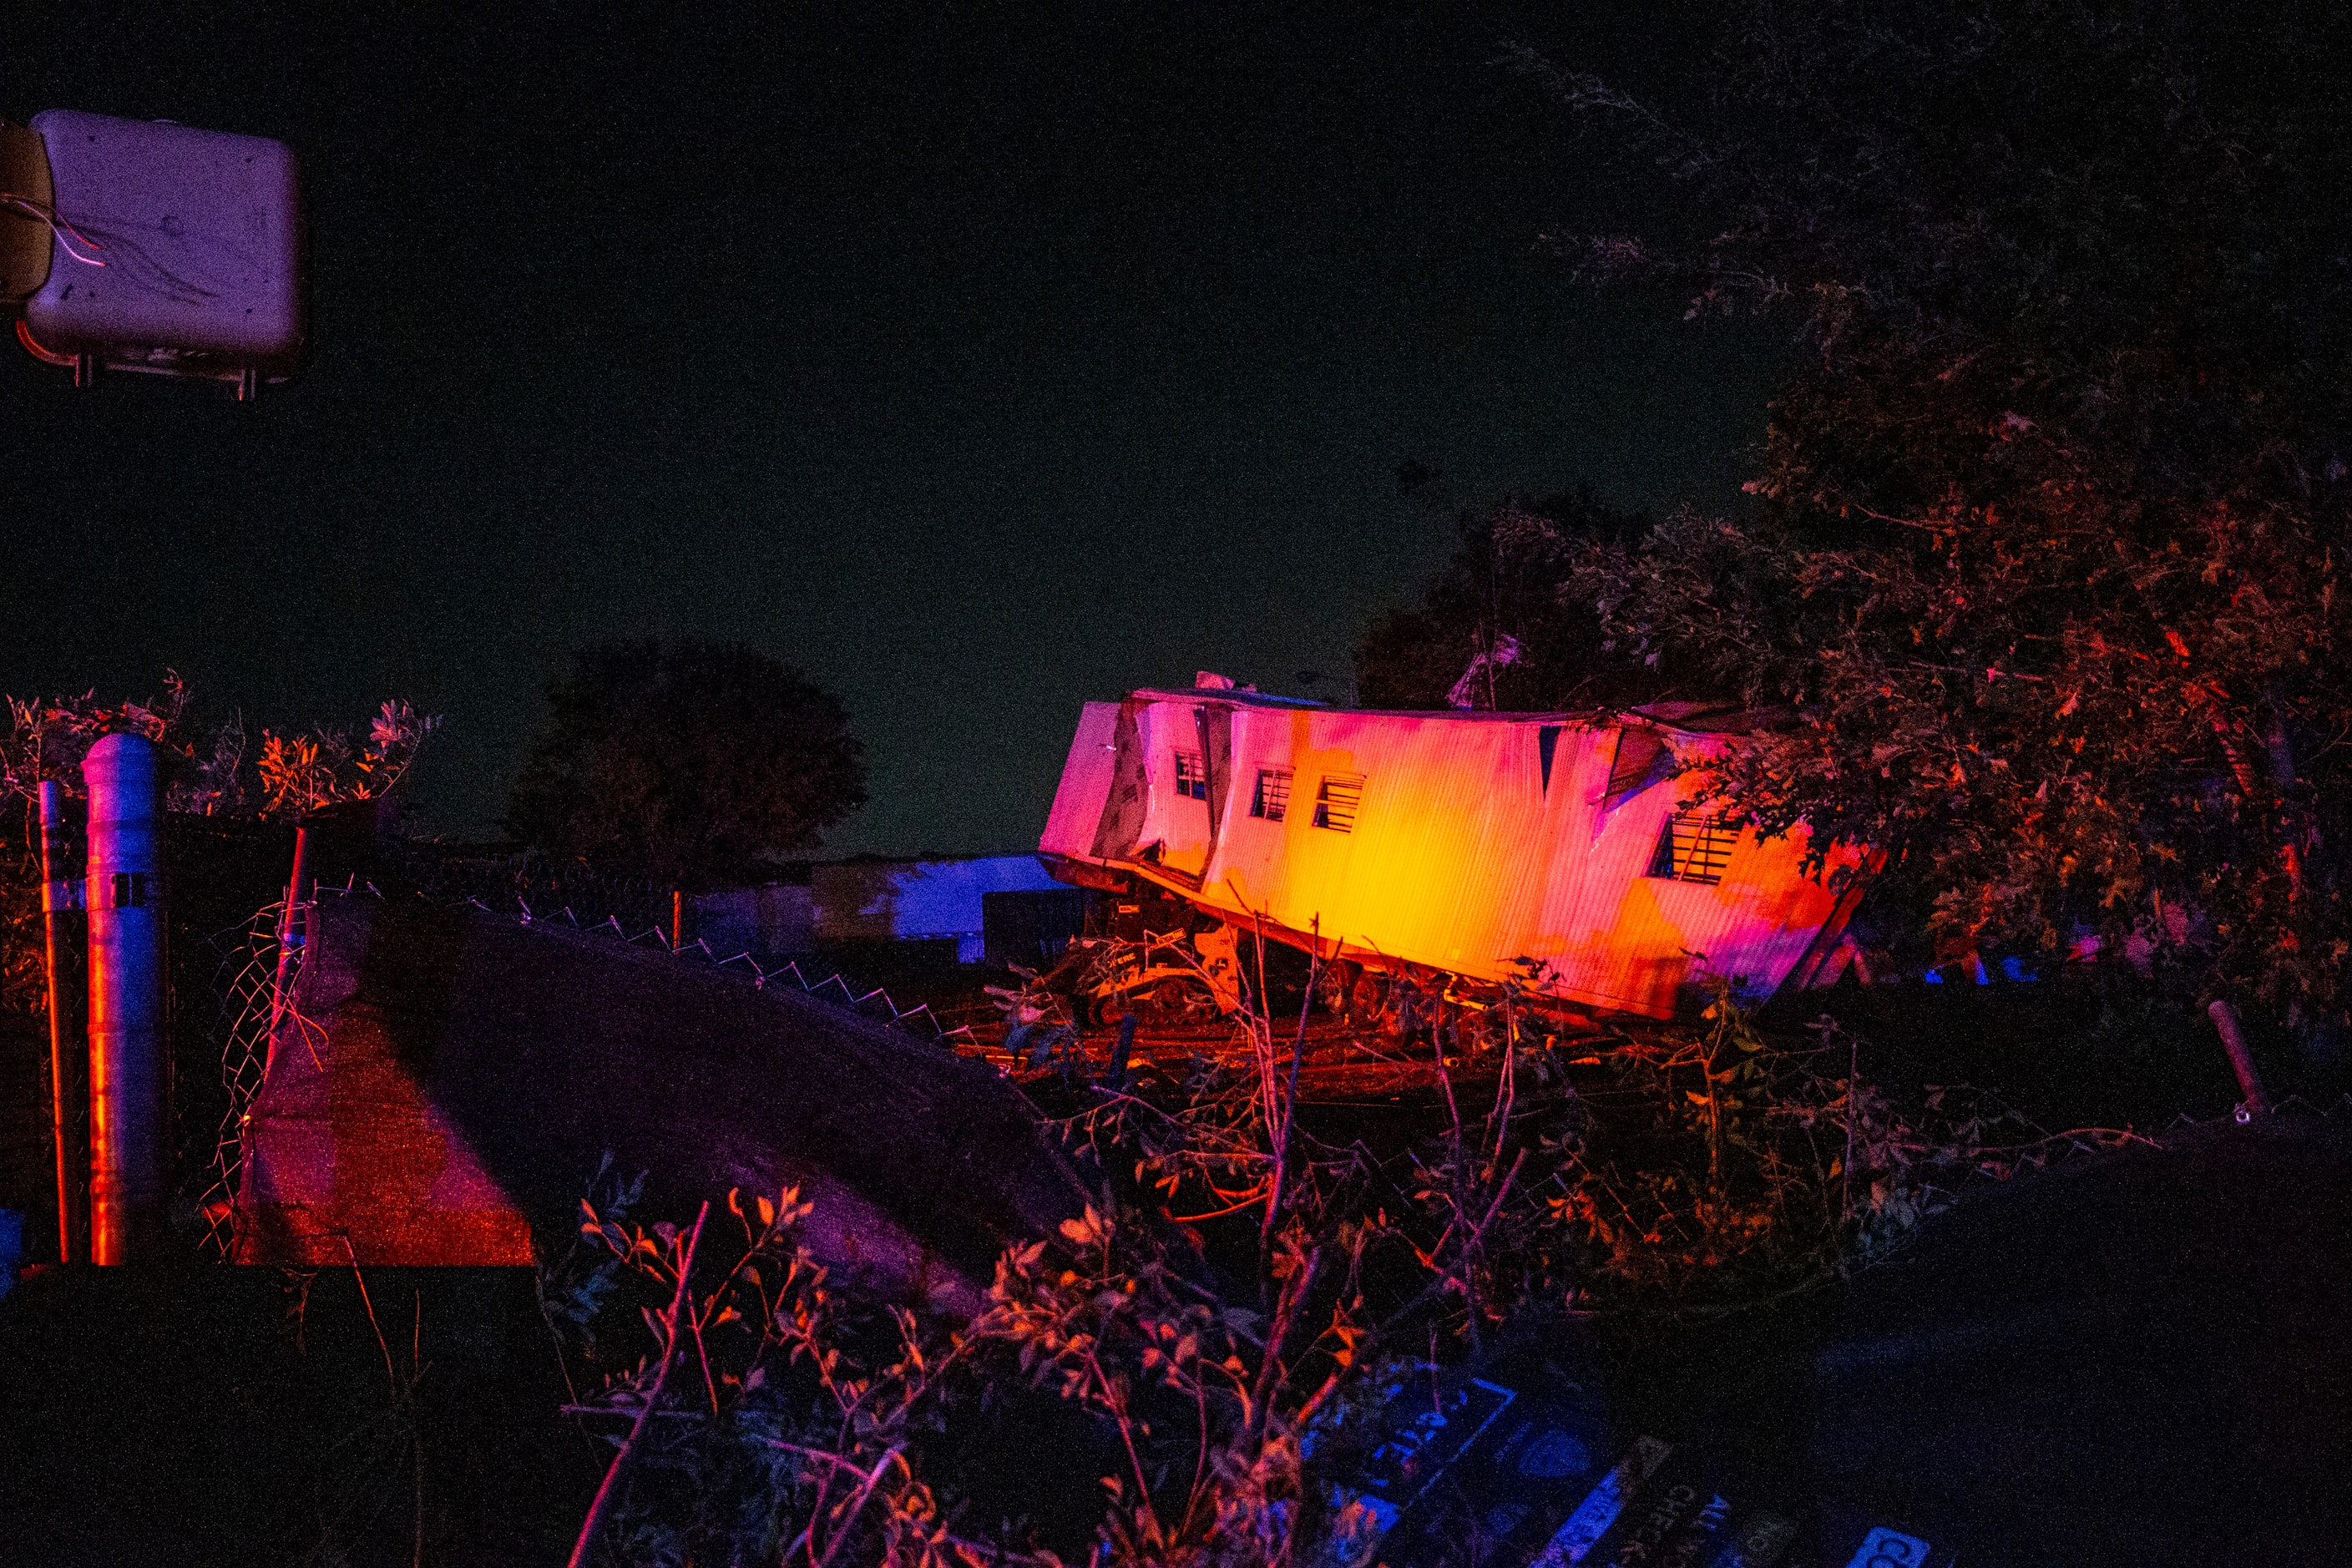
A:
(1281, 779)
(1192, 775)
(1700, 856)
(1350, 786)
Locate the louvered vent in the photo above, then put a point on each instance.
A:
(1336, 800)
(1272, 800)
(1694, 848)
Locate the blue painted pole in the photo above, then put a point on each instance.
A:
(129, 1082)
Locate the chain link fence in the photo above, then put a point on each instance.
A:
(260, 963)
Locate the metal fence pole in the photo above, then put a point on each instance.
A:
(289, 940)
(128, 1073)
(60, 897)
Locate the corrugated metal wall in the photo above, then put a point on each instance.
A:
(1085, 788)
(1460, 856)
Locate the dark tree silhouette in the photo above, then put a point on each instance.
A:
(2051, 515)
(1410, 657)
(686, 762)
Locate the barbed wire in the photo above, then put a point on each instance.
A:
(493, 877)
(876, 1004)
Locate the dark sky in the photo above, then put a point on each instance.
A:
(978, 361)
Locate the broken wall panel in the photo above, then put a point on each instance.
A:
(1079, 800)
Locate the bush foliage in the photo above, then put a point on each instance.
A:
(1185, 1373)
(2051, 516)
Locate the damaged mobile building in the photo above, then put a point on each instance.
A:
(1572, 852)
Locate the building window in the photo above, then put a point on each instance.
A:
(1694, 848)
(1335, 799)
(1192, 775)
(1272, 800)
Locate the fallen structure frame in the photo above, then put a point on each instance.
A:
(1573, 853)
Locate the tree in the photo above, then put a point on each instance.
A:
(685, 762)
(1411, 657)
(2051, 520)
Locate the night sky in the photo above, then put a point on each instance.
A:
(979, 362)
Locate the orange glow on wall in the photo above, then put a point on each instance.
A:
(1458, 842)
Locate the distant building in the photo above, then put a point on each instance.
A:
(852, 903)
(1454, 843)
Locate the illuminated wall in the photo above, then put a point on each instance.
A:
(1449, 842)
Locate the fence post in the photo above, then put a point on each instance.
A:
(129, 1084)
(2242, 1061)
(288, 941)
(68, 1096)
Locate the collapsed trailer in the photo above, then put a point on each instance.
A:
(1573, 853)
